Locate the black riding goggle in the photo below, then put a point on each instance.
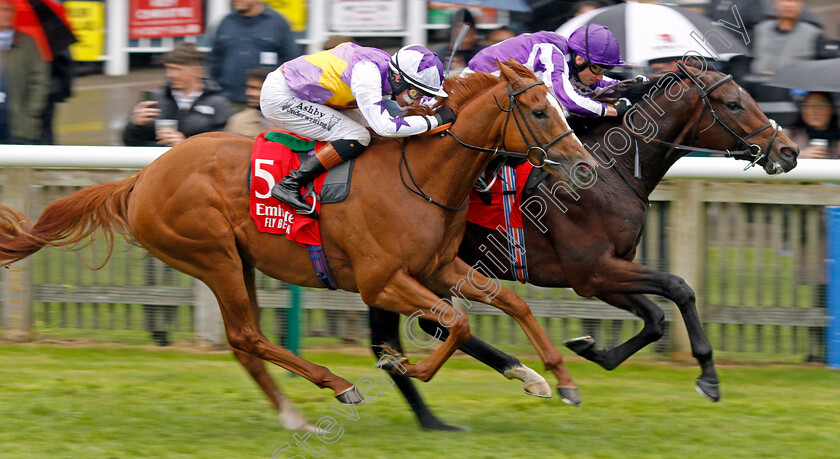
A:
(598, 69)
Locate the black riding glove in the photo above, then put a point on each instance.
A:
(445, 115)
(621, 106)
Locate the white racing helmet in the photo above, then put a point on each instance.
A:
(420, 68)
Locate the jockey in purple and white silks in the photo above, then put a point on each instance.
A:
(334, 95)
(572, 68)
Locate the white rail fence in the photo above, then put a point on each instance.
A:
(707, 226)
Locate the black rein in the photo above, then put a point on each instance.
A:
(755, 151)
(494, 151)
(543, 149)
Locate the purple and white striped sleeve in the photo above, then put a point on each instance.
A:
(366, 85)
(548, 59)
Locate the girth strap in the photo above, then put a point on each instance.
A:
(322, 269)
(515, 236)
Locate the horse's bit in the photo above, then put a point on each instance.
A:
(542, 149)
(754, 150)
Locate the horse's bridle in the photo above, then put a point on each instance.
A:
(754, 151)
(542, 149)
(495, 151)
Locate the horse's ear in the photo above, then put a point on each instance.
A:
(682, 65)
(518, 67)
(508, 73)
(693, 66)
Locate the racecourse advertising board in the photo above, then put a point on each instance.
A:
(166, 18)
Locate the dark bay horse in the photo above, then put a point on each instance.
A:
(587, 239)
(189, 208)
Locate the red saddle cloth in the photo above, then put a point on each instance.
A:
(271, 160)
(493, 216)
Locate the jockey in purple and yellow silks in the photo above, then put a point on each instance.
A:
(333, 95)
(572, 68)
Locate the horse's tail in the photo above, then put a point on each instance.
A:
(99, 209)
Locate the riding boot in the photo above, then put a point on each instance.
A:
(288, 189)
(329, 156)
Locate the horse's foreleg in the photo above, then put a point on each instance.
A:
(290, 418)
(384, 331)
(619, 276)
(509, 366)
(680, 293)
(472, 285)
(404, 294)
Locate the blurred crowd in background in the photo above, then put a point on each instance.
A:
(790, 64)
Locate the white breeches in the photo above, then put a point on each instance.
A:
(317, 121)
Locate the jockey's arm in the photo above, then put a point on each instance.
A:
(557, 77)
(366, 86)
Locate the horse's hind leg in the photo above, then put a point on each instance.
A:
(213, 264)
(243, 333)
(289, 417)
(473, 285)
(384, 330)
(653, 329)
(287, 414)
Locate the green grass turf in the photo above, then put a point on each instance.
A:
(146, 402)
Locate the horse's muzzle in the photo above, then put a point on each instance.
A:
(783, 160)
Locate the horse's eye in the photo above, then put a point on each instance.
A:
(732, 105)
(539, 114)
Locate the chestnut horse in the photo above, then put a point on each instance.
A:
(588, 240)
(189, 208)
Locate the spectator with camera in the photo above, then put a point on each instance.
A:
(187, 105)
(816, 130)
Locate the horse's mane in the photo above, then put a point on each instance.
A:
(634, 91)
(462, 88)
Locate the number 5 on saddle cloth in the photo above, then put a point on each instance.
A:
(275, 153)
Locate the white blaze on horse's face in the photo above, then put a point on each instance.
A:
(563, 113)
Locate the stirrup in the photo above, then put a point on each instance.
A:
(481, 185)
(311, 212)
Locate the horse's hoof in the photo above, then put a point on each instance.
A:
(580, 344)
(395, 368)
(533, 383)
(350, 397)
(294, 421)
(569, 396)
(392, 361)
(709, 390)
(538, 389)
(299, 425)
